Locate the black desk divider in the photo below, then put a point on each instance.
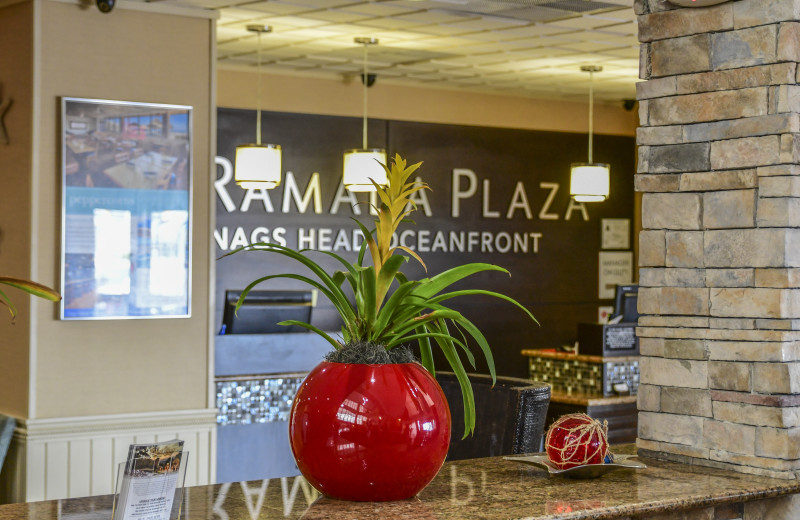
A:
(261, 311)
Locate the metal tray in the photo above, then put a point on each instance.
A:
(585, 471)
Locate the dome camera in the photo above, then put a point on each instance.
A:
(369, 79)
(105, 6)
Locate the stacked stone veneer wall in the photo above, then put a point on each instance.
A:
(719, 168)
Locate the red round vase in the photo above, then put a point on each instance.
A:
(369, 432)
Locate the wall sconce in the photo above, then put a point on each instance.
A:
(360, 166)
(258, 165)
(589, 182)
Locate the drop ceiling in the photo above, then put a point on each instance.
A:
(531, 48)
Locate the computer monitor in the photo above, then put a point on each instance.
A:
(625, 302)
(261, 311)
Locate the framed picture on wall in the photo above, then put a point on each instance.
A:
(126, 209)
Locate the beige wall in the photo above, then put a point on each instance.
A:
(311, 95)
(16, 75)
(117, 366)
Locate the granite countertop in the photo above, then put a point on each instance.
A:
(490, 488)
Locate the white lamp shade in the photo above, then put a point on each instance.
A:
(589, 182)
(362, 165)
(258, 166)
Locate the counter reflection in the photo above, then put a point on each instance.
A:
(294, 497)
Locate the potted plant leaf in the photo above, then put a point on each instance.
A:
(28, 286)
(370, 423)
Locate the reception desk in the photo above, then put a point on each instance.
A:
(256, 378)
(490, 489)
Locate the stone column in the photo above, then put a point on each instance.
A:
(719, 168)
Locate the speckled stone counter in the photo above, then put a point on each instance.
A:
(490, 488)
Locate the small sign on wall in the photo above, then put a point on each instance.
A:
(615, 268)
(616, 233)
(604, 313)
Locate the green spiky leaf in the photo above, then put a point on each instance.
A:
(383, 312)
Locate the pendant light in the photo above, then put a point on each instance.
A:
(589, 181)
(258, 165)
(361, 164)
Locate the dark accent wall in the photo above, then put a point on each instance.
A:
(555, 275)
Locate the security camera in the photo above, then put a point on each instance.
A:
(369, 79)
(105, 6)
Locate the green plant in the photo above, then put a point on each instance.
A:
(415, 309)
(28, 286)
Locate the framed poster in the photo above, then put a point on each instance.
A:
(126, 209)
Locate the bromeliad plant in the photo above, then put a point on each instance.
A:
(415, 310)
(28, 286)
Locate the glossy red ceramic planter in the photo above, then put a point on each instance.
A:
(369, 432)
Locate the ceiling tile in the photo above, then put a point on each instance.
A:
(336, 16)
(225, 33)
(538, 14)
(296, 21)
(444, 29)
(272, 7)
(628, 52)
(236, 14)
(622, 29)
(430, 17)
(388, 23)
(234, 47)
(613, 17)
(324, 4)
(207, 4)
(487, 23)
(377, 9)
(521, 47)
(580, 22)
(313, 33)
(587, 46)
(530, 31)
(480, 59)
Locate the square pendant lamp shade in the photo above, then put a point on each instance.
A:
(258, 165)
(363, 166)
(590, 181)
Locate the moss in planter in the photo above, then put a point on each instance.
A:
(368, 353)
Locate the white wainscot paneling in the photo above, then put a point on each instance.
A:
(79, 456)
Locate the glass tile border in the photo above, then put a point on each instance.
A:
(256, 399)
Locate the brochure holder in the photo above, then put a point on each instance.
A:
(149, 496)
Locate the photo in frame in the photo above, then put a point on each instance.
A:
(126, 209)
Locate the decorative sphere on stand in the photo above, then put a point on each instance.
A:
(576, 440)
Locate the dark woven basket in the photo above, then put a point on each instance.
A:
(510, 416)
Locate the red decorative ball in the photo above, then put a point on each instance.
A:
(575, 440)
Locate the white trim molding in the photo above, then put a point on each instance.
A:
(78, 456)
